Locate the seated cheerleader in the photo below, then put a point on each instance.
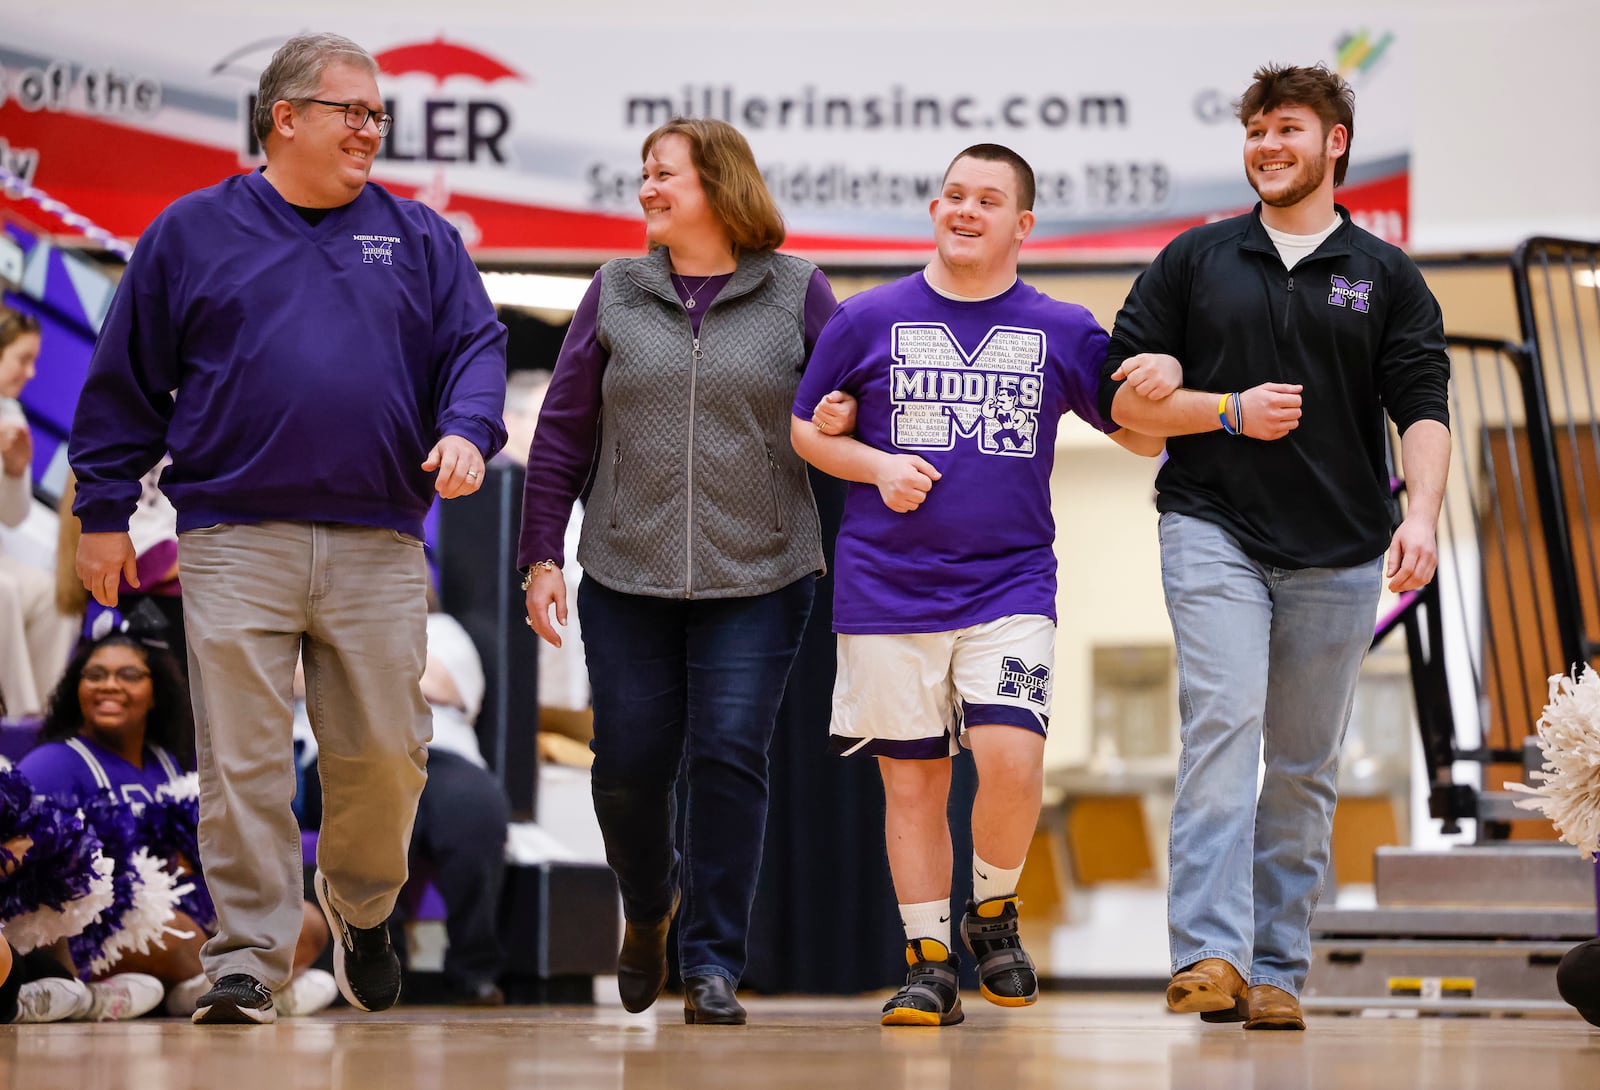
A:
(120, 722)
(53, 881)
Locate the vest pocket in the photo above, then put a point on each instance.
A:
(777, 503)
(616, 482)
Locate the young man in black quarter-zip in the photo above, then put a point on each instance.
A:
(1294, 331)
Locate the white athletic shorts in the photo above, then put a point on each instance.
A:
(913, 695)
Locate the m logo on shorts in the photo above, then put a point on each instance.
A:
(1357, 296)
(1018, 679)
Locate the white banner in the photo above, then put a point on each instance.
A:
(529, 139)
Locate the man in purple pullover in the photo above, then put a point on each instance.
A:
(320, 358)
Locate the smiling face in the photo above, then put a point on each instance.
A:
(673, 200)
(978, 224)
(17, 361)
(1288, 158)
(116, 694)
(321, 162)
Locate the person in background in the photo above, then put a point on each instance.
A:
(120, 722)
(700, 546)
(461, 820)
(35, 637)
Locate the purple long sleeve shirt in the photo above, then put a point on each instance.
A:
(569, 421)
(296, 372)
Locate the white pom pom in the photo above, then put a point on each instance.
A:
(44, 926)
(1569, 737)
(155, 899)
(186, 786)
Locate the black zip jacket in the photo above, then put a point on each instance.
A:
(1354, 323)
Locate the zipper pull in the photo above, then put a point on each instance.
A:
(697, 354)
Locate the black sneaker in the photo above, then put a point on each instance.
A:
(365, 966)
(930, 996)
(1005, 971)
(238, 999)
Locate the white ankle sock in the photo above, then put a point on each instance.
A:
(928, 920)
(184, 996)
(989, 880)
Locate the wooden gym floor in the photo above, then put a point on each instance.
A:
(1086, 1042)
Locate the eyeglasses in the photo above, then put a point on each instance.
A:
(356, 115)
(128, 675)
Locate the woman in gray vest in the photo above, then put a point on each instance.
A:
(669, 410)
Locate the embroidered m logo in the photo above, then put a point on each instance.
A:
(377, 251)
(1356, 296)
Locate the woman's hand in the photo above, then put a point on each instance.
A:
(835, 414)
(547, 588)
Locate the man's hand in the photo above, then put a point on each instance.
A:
(1151, 375)
(459, 464)
(547, 588)
(905, 481)
(835, 414)
(103, 561)
(1413, 556)
(16, 448)
(1271, 410)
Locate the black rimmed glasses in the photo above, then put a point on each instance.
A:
(356, 115)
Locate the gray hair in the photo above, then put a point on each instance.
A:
(295, 72)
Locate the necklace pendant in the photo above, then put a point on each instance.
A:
(689, 303)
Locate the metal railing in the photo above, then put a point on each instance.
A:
(1517, 594)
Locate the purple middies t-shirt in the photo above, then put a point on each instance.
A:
(977, 389)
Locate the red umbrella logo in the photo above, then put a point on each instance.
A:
(441, 59)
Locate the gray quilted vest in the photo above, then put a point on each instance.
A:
(697, 491)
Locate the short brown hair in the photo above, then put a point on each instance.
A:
(295, 73)
(13, 324)
(999, 153)
(734, 187)
(1317, 89)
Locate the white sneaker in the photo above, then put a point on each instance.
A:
(308, 993)
(184, 996)
(53, 999)
(123, 996)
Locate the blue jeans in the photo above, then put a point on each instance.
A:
(1268, 659)
(688, 688)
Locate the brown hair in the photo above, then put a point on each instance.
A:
(999, 153)
(733, 184)
(13, 324)
(295, 73)
(1319, 90)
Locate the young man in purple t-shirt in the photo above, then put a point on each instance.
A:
(945, 568)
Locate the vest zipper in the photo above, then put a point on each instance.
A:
(688, 551)
(616, 483)
(777, 506)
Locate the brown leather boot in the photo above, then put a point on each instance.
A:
(1209, 985)
(1273, 1008)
